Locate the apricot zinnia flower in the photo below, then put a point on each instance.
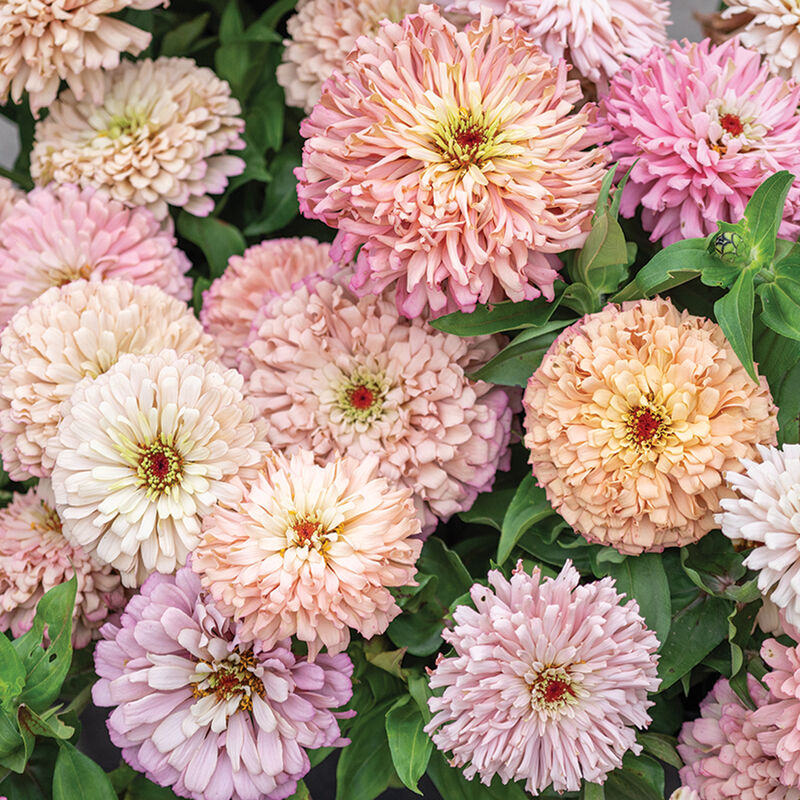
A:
(722, 754)
(632, 419)
(35, 557)
(547, 680)
(200, 712)
(156, 135)
(231, 302)
(310, 552)
(595, 36)
(62, 233)
(43, 42)
(453, 158)
(143, 452)
(701, 126)
(330, 372)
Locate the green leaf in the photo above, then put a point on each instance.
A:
(280, 197)
(452, 785)
(764, 213)
(178, 41)
(231, 26)
(47, 725)
(265, 118)
(365, 765)
(419, 633)
(47, 667)
(514, 364)
(529, 506)
(780, 300)
(734, 313)
(779, 360)
(642, 578)
(77, 777)
(661, 747)
(695, 631)
(272, 16)
(217, 239)
(301, 793)
(200, 285)
(602, 262)
(10, 737)
(388, 660)
(640, 778)
(410, 746)
(489, 508)
(438, 559)
(420, 691)
(12, 674)
(592, 791)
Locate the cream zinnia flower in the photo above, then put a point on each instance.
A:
(143, 452)
(68, 333)
(45, 41)
(157, 136)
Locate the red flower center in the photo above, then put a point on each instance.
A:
(555, 690)
(304, 531)
(645, 426)
(471, 138)
(361, 397)
(732, 124)
(160, 465)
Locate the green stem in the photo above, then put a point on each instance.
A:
(20, 178)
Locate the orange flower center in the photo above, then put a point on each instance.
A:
(229, 678)
(160, 465)
(732, 124)
(647, 426)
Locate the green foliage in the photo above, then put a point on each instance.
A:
(410, 746)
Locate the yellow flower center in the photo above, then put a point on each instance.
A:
(466, 138)
(160, 465)
(647, 426)
(125, 124)
(228, 678)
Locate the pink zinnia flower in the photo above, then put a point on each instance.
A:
(310, 551)
(199, 711)
(633, 417)
(144, 451)
(723, 757)
(547, 679)
(35, 557)
(595, 36)
(778, 719)
(704, 125)
(43, 42)
(330, 372)
(460, 183)
(9, 194)
(156, 135)
(62, 233)
(231, 302)
(71, 332)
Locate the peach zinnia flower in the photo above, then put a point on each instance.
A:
(143, 452)
(330, 372)
(62, 233)
(453, 158)
(310, 551)
(43, 42)
(68, 333)
(231, 302)
(156, 135)
(633, 417)
(35, 557)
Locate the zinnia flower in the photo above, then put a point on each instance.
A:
(633, 417)
(684, 793)
(310, 551)
(722, 755)
(778, 719)
(68, 333)
(199, 711)
(60, 234)
(767, 512)
(35, 557)
(232, 300)
(547, 679)
(321, 34)
(142, 453)
(330, 372)
(459, 182)
(43, 42)
(703, 125)
(595, 36)
(9, 194)
(156, 135)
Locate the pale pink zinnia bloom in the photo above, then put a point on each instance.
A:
(35, 557)
(310, 551)
(157, 135)
(703, 125)
(778, 719)
(722, 754)
(460, 180)
(330, 372)
(773, 29)
(231, 302)
(321, 34)
(633, 417)
(43, 42)
(9, 194)
(62, 233)
(595, 36)
(71, 332)
(144, 451)
(548, 680)
(199, 711)
(766, 511)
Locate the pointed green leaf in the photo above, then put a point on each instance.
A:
(410, 746)
(592, 791)
(780, 300)
(12, 674)
(764, 213)
(77, 777)
(529, 506)
(734, 313)
(217, 239)
(660, 746)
